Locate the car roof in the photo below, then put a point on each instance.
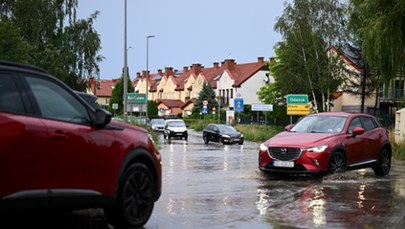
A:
(340, 113)
(21, 66)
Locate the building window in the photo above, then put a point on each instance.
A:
(399, 89)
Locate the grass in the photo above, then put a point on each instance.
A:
(398, 149)
(258, 133)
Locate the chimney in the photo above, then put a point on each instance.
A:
(216, 65)
(143, 74)
(185, 69)
(168, 71)
(260, 60)
(272, 60)
(196, 68)
(160, 72)
(229, 64)
(138, 75)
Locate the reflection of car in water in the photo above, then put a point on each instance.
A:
(175, 128)
(328, 142)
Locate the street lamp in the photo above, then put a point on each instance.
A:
(125, 64)
(147, 70)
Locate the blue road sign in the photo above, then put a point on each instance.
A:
(238, 104)
(205, 110)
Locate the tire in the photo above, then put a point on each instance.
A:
(337, 163)
(135, 198)
(222, 141)
(205, 137)
(241, 143)
(185, 137)
(164, 136)
(383, 166)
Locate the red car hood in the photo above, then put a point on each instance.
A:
(300, 140)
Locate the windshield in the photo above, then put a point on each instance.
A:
(320, 124)
(157, 121)
(176, 123)
(225, 128)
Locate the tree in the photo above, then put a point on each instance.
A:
(206, 94)
(59, 43)
(309, 28)
(118, 95)
(12, 46)
(272, 95)
(152, 108)
(379, 26)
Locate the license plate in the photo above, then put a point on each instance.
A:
(285, 164)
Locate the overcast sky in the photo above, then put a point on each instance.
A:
(186, 32)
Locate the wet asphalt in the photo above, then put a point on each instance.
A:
(220, 186)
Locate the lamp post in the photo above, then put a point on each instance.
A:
(147, 70)
(125, 64)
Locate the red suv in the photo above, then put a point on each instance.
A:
(326, 143)
(58, 151)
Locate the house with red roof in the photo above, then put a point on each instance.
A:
(102, 89)
(176, 91)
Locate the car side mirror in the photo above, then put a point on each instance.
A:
(102, 118)
(357, 131)
(288, 127)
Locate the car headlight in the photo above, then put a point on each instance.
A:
(317, 149)
(241, 135)
(263, 147)
(225, 136)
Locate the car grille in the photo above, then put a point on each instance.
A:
(284, 153)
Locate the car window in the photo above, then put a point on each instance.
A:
(176, 123)
(56, 103)
(368, 123)
(10, 99)
(354, 123)
(227, 128)
(320, 124)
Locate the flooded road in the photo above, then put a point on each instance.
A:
(220, 186)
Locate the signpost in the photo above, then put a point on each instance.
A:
(297, 104)
(262, 107)
(136, 98)
(238, 104)
(205, 107)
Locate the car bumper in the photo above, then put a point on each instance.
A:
(307, 163)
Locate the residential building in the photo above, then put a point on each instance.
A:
(102, 89)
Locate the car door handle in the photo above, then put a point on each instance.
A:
(59, 136)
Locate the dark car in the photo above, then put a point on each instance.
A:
(222, 133)
(59, 152)
(328, 142)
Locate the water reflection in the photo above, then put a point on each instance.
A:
(355, 199)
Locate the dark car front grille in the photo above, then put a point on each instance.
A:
(284, 153)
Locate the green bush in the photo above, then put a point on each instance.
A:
(398, 149)
(258, 133)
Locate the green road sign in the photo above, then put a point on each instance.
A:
(136, 98)
(297, 99)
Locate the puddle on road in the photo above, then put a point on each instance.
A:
(354, 199)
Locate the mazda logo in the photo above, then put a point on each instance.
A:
(283, 150)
